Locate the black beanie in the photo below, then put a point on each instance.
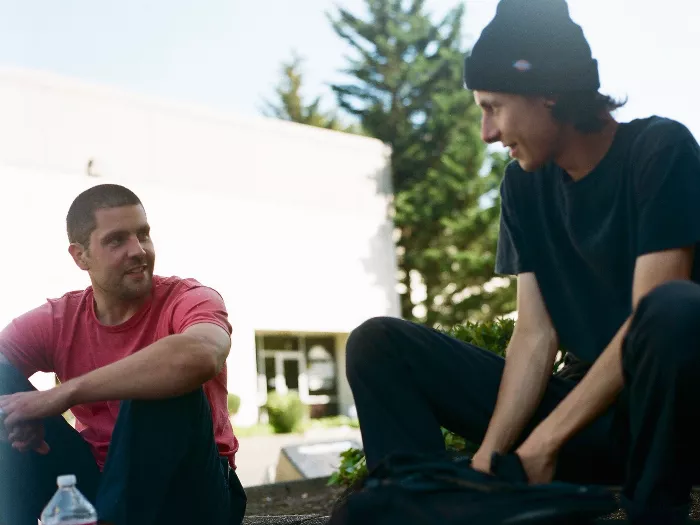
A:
(531, 47)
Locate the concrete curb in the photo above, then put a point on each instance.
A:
(286, 488)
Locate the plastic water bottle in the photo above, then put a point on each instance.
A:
(68, 506)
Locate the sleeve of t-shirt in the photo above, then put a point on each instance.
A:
(668, 196)
(197, 305)
(511, 253)
(27, 341)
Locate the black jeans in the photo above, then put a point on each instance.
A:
(408, 380)
(163, 466)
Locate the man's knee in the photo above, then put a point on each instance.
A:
(12, 381)
(667, 320)
(187, 408)
(368, 341)
(672, 306)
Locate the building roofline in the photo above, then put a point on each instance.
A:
(50, 80)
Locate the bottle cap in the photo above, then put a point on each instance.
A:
(66, 480)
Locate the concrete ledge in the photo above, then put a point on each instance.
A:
(285, 520)
(286, 488)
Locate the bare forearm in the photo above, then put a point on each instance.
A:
(172, 366)
(527, 371)
(590, 398)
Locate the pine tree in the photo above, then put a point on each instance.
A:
(407, 91)
(290, 104)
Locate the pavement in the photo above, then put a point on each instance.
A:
(256, 459)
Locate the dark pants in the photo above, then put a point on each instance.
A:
(163, 466)
(408, 380)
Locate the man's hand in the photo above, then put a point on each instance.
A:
(28, 436)
(539, 460)
(23, 413)
(481, 461)
(24, 407)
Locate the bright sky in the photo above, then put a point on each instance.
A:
(226, 54)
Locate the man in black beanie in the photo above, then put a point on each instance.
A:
(600, 222)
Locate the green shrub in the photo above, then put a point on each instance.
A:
(493, 336)
(286, 413)
(331, 422)
(352, 467)
(234, 403)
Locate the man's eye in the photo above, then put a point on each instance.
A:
(144, 237)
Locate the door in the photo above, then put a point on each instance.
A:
(290, 374)
(282, 371)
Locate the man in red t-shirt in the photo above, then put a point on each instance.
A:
(141, 361)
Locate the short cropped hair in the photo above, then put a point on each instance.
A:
(81, 222)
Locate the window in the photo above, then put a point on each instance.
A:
(320, 362)
(300, 363)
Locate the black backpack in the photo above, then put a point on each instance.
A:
(420, 490)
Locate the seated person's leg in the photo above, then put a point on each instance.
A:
(163, 467)
(661, 362)
(28, 479)
(408, 380)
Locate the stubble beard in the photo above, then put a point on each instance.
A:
(135, 291)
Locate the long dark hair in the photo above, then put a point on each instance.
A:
(586, 110)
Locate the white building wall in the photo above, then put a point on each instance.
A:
(288, 222)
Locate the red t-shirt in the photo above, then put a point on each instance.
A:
(63, 336)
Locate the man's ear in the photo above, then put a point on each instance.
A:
(78, 252)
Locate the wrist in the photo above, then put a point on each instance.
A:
(498, 443)
(72, 392)
(548, 437)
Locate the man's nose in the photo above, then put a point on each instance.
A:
(135, 247)
(489, 132)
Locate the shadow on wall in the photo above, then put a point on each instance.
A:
(381, 261)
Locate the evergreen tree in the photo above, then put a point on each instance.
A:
(407, 91)
(290, 104)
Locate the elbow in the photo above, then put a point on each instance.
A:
(538, 337)
(210, 366)
(212, 361)
(203, 358)
(219, 361)
(541, 342)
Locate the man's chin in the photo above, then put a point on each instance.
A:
(529, 166)
(138, 290)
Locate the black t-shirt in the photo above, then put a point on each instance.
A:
(582, 238)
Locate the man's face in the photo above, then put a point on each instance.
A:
(523, 124)
(121, 257)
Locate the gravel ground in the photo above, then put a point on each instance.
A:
(694, 510)
(319, 502)
(286, 520)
